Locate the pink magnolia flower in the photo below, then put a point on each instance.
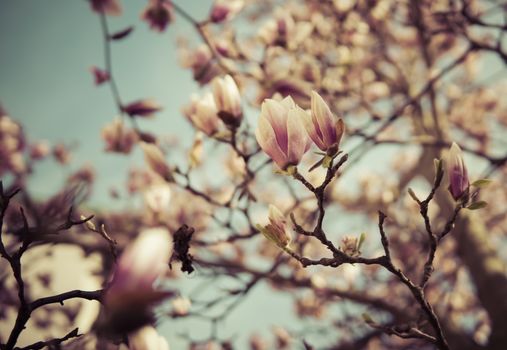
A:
(107, 7)
(158, 14)
(280, 132)
(457, 172)
(322, 126)
(156, 160)
(118, 138)
(140, 265)
(227, 100)
(202, 112)
(100, 76)
(224, 10)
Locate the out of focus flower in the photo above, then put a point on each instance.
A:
(202, 112)
(100, 76)
(107, 7)
(39, 150)
(157, 197)
(227, 100)
(276, 230)
(181, 306)
(196, 152)
(158, 14)
(280, 132)
(201, 63)
(322, 126)
(62, 154)
(131, 292)
(156, 160)
(457, 172)
(142, 108)
(224, 10)
(117, 137)
(147, 338)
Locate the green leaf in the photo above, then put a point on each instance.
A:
(477, 205)
(362, 238)
(482, 182)
(367, 318)
(412, 194)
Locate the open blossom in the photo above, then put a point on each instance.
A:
(322, 126)
(202, 112)
(147, 338)
(280, 132)
(276, 230)
(108, 7)
(224, 10)
(117, 137)
(158, 14)
(457, 172)
(227, 100)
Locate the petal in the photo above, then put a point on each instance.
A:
(297, 137)
(324, 118)
(308, 124)
(267, 140)
(276, 114)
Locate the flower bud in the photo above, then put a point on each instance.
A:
(227, 100)
(276, 230)
(107, 7)
(158, 14)
(142, 108)
(224, 10)
(280, 132)
(100, 76)
(457, 172)
(156, 160)
(322, 126)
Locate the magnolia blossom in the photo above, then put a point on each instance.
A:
(147, 338)
(108, 7)
(322, 126)
(142, 108)
(457, 172)
(118, 138)
(140, 265)
(227, 100)
(276, 230)
(156, 160)
(157, 197)
(202, 112)
(224, 10)
(158, 14)
(280, 132)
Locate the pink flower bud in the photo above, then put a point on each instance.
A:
(224, 10)
(276, 230)
(227, 100)
(117, 137)
(100, 75)
(322, 126)
(280, 132)
(142, 108)
(107, 7)
(158, 14)
(457, 172)
(140, 265)
(156, 160)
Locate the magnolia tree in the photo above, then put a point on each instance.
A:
(349, 143)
